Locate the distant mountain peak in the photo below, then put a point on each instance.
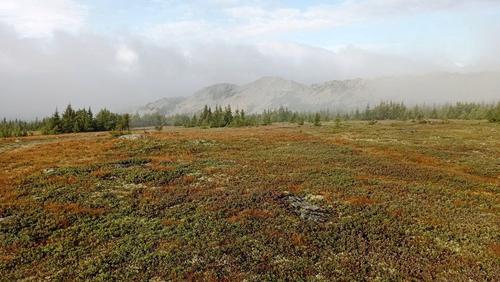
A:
(270, 79)
(217, 91)
(273, 80)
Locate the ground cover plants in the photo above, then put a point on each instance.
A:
(391, 200)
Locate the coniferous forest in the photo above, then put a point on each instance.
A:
(82, 120)
(70, 121)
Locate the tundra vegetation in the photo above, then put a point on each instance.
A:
(395, 200)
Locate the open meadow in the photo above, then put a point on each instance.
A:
(351, 201)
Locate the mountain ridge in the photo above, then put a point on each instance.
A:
(271, 92)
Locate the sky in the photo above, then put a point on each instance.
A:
(124, 53)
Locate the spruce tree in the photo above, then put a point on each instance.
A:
(494, 113)
(194, 121)
(52, 125)
(300, 120)
(105, 120)
(80, 118)
(243, 118)
(266, 118)
(317, 119)
(68, 119)
(88, 124)
(228, 116)
(126, 122)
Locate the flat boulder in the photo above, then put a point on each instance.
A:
(131, 137)
(305, 208)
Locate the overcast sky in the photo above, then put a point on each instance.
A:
(121, 53)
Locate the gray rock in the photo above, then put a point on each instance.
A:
(131, 137)
(305, 209)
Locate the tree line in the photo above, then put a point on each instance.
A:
(71, 121)
(225, 117)
(83, 120)
(399, 111)
(17, 128)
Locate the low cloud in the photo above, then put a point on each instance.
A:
(37, 75)
(34, 18)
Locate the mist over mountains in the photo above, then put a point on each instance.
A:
(336, 95)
